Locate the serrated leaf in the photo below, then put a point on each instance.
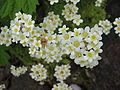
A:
(8, 8)
(19, 4)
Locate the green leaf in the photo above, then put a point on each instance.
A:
(8, 8)
(19, 4)
(30, 6)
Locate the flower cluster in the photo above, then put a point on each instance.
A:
(18, 71)
(83, 45)
(86, 44)
(61, 86)
(98, 3)
(117, 29)
(39, 73)
(51, 22)
(2, 86)
(106, 26)
(42, 42)
(5, 36)
(20, 28)
(70, 14)
(62, 72)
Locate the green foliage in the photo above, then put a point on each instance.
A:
(85, 3)
(8, 8)
(14, 52)
(21, 53)
(4, 57)
(91, 15)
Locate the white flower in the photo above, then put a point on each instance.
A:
(90, 55)
(77, 19)
(77, 43)
(4, 30)
(15, 30)
(85, 32)
(19, 15)
(69, 48)
(63, 29)
(7, 42)
(94, 37)
(66, 38)
(37, 44)
(77, 32)
(22, 37)
(26, 17)
(30, 23)
(77, 54)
